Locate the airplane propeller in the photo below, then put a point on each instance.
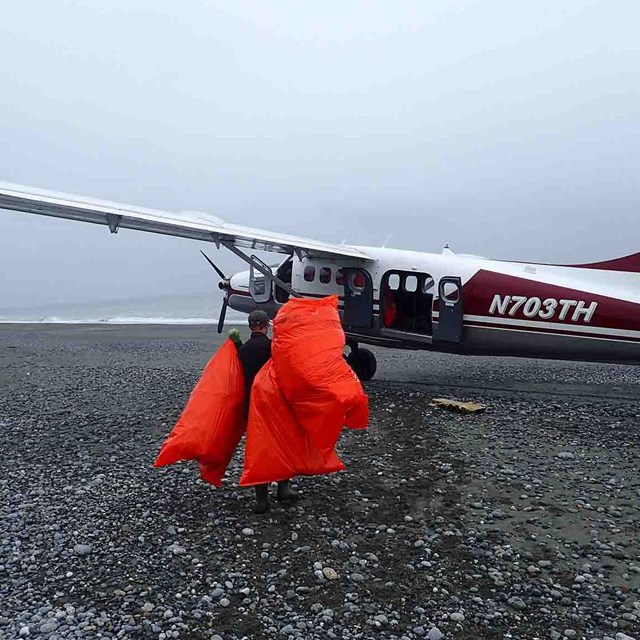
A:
(212, 263)
(223, 313)
(224, 286)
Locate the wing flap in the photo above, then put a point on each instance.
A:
(193, 225)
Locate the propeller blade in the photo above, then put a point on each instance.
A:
(223, 313)
(213, 265)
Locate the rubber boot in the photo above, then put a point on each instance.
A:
(262, 498)
(285, 492)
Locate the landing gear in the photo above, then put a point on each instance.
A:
(362, 361)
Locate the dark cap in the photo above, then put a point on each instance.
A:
(258, 318)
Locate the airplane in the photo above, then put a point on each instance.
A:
(462, 304)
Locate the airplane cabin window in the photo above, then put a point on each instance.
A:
(309, 273)
(411, 284)
(325, 275)
(427, 285)
(394, 282)
(451, 292)
(340, 277)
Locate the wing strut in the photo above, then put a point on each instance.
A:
(252, 261)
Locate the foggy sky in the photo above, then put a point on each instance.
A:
(508, 129)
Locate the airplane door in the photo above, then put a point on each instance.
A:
(259, 285)
(358, 298)
(449, 327)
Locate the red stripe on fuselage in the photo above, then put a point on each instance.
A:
(627, 264)
(611, 313)
(630, 264)
(246, 294)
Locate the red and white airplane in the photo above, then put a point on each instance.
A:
(403, 299)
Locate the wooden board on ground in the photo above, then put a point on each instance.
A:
(456, 405)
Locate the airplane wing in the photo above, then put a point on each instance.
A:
(194, 225)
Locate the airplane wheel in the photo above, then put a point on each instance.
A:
(363, 363)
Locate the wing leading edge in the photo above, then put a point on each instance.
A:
(193, 225)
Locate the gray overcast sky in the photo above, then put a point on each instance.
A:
(509, 129)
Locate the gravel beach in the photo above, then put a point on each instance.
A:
(520, 522)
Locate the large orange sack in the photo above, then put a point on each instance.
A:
(324, 393)
(213, 421)
(303, 397)
(277, 447)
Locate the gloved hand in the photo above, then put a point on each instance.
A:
(234, 335)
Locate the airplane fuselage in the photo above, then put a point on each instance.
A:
(486, 307)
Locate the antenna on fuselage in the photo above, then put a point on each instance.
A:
(384, 244)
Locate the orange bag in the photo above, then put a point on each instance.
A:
(213, 421)
(303, 397)
(324, 393)
(277, 447)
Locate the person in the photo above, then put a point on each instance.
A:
(390, 307)
(253, 355)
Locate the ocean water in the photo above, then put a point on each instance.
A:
(196, 308)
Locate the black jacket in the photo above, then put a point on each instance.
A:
(253, 355)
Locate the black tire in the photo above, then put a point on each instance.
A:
(363, 363)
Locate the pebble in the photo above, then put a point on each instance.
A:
(518, 603)
(388, 575)
(82, 549)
